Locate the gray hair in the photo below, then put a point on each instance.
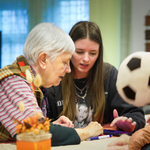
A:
(48, 38)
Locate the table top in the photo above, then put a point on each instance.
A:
(88, 145)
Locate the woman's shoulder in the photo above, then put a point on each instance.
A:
(110, 74)
(109, 68)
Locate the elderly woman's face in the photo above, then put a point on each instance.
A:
(56, 70)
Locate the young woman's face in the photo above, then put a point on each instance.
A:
(56, 70)
(84, 57)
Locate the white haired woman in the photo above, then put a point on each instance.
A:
(47, 53)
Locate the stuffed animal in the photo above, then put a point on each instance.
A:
(133, 81)
(133, 85)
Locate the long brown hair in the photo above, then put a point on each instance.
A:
(83, 30)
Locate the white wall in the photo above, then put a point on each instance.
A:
(139, 10)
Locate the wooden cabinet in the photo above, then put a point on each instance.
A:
(147, 32)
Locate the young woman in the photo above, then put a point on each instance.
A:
(92, 83)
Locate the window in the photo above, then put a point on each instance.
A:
(65, 13)
(14, 28)
(14, 31)
(14, 22)
(71, 12)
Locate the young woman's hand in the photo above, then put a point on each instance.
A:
(122, 122)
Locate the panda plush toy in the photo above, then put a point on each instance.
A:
(133, 81)
(133, 85)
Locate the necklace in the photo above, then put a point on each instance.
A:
(83, 97)
(81, 90)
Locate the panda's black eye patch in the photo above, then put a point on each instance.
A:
(149, 82)
(134, 63)
(129, 92)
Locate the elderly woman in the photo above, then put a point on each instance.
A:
(47, 53)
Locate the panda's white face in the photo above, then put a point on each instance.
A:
(133, 81)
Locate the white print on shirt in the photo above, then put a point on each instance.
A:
(83, 116)
(60, 103)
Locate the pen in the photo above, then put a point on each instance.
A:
(99, 137)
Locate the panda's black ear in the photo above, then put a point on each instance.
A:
(134, 63)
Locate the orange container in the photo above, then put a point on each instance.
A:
(42, 145)
(34, 142)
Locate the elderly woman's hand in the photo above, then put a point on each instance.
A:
(93, 129)
(64, 121)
